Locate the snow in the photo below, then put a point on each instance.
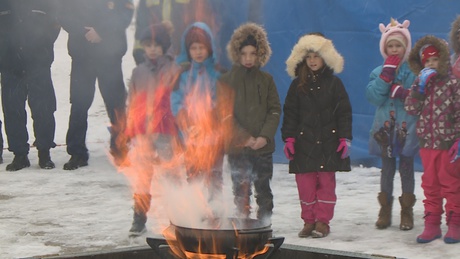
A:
(51, 212)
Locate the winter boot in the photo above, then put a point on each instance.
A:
(432, 229)
(75, 162)
(407, 201)
(19, 162)
(141, 206)
(453, 228)
(44, 160)
(307, 229)
(321, 230)
(386, 206)
(1, 144)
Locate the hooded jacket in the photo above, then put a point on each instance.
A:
(438, 126)
(256, 104)
(318, 117)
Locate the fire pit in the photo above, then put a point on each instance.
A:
(224, 238)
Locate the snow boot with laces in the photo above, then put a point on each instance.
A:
(386, 206)
(407, 201)
(432, 229)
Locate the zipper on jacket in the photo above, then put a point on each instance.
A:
(260, 96)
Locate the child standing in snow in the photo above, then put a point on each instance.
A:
(256, 114)
(435, 98)
(194, 106)
(150, 123)
(388, 87)
(317, 129)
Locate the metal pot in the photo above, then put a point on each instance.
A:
(246, 235)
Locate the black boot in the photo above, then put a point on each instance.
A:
(19, 162)
(44, 160)
(141, 206)
(75, 162)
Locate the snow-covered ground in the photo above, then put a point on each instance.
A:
(49, 212)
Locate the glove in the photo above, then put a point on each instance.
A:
(424, 77)
(344, 146)
(289, 150)
(398, 91)
(453, 151)
(389, 68)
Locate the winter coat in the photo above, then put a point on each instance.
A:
(197, 82)
(256, 104)
(438, 126)
(378, 93)
(108, 18)
(256, 110)
(149, 108)
(317, 120)
(27, 34)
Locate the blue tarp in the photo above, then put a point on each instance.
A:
(352, 25)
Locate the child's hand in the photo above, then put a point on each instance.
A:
(453, 151)
(344, 146)
(424, 77)
(260, 143)
(250, 142)
(289, 150)
(389, 68)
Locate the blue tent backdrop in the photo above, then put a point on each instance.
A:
(352, 25)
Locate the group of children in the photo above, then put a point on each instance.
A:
(173, 104)
(417, 95)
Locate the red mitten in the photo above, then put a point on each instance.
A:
(398, 91)
(389, 68)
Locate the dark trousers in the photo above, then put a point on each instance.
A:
(36, 87)
(406, 170)
(247, 169)
(83, 77)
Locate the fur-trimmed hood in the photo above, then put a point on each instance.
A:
(314, 43)
(454, 31)
(241, 34)
(415, 62)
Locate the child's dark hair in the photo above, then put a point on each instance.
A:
(160, 34)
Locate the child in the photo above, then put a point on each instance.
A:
(194, 105)
(256, 114)
(150, 123)
(435, 98)
(388, 86)
(316, 129)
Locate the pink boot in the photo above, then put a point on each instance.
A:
(453, 231)
(432, 229)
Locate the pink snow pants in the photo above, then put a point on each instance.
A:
(317, 196)
(440, 180)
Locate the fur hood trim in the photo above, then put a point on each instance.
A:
(315, 43)
(240, 35)
(415, 62)
(454, 31)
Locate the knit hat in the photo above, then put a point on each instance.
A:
(395, 31)
(198, 35)
(428, 51)
(249, 41)
(160, 33)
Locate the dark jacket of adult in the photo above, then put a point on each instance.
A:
(317, 117)
(108, 18)
(28, 30)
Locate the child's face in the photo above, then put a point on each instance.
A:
(432, 62)
(248, 56)
(152, 50)
(395, 48)
(198, 52)
(314, 61)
